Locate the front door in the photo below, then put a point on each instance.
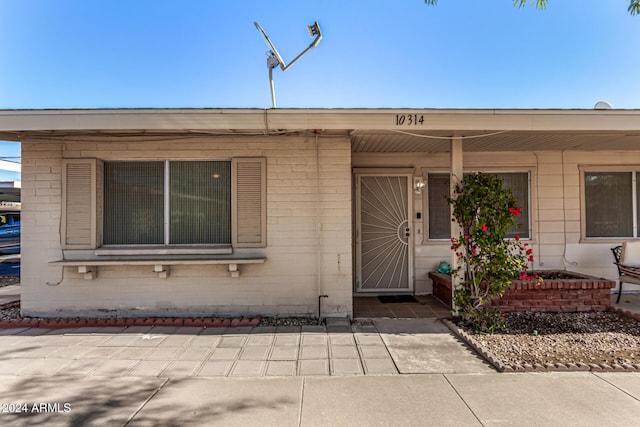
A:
(384, 256)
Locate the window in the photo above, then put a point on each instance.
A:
(162, 203)
(170, 203)
(610, 204)
(439, 213)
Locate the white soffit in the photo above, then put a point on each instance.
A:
(431, 142)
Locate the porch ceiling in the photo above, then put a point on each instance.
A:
(389, 141)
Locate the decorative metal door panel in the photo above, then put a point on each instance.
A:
(383, 234)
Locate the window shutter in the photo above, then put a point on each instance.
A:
(79, 203)
(249, 187)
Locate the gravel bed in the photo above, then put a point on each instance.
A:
(14, 313)
(287, 321)
(543, 339)
(10, 313)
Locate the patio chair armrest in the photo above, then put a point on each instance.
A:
(629, 271)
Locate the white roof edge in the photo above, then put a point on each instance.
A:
(320, 118)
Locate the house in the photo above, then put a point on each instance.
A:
(266, 211)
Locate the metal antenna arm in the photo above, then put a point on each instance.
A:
(314, 30)
(274, 59)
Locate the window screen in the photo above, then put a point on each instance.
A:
(608, 204)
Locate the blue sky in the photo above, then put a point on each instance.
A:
(203, 53)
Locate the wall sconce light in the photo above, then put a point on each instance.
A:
(418, 185)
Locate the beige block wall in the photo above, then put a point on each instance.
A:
(308, 234)
(555, 206)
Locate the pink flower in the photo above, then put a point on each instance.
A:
(530, 258)
(484, 227)
(517, 238)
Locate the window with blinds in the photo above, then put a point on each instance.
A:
(199, 202)
(610, 199)
(439, 215)
(164, 203)
(133, 203)
(172, 203)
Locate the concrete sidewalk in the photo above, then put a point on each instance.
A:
(552, 399)
(381, 347)
(389, 372)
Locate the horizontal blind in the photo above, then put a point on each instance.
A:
(200, 202)
(608, 204)
(133, 203)
(438, 207)
(518, 183)
(439, 211)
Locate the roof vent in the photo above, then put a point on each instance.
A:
(602, 105)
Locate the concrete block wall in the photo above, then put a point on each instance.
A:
(308, 233)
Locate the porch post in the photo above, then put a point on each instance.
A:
(455, 176)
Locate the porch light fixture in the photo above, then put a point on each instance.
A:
(418, 185)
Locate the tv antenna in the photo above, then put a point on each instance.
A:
(275, 60)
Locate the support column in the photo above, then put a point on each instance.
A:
(455, 176)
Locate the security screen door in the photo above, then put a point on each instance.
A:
(382, 233)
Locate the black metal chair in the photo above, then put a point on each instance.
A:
(626, 274)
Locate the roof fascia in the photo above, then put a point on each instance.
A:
(329, 119)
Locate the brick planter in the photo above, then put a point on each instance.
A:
(442, 287)
(571, 292)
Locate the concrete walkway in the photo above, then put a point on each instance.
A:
(384, 372)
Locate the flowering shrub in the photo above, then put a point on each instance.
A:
(488, 263)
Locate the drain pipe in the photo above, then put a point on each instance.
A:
(319, 310)
(318, 231)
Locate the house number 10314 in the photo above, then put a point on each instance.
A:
(409, 120)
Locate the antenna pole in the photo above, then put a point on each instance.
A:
(273, 89)
(274, 59)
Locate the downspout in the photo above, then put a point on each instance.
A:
(318, 231)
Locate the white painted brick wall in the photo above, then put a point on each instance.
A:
(287, 284)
